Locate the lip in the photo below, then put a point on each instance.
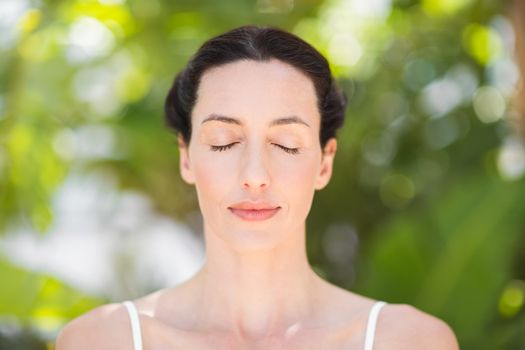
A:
(254, 211)
(254, 214)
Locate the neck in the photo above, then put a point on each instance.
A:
(254, 294)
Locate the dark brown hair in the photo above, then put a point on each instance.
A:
(259, 44)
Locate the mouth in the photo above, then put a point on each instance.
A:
(254, 214)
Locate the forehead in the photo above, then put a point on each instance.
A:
(256, 92)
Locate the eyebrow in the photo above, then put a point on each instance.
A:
(293, 119)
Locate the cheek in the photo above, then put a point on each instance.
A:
(297, 179)
(212, 178)
(298, 171)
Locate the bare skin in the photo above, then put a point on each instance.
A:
(256, 289)
(342, 327)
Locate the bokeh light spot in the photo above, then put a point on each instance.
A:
(482, 43)
(489, 104)
(511, 159)
(512, 298)
(396, 190)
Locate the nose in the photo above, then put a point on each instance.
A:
(254, 172)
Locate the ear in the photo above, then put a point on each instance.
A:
(184, 162)
(327, 160)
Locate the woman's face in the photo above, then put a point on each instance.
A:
(273, 161)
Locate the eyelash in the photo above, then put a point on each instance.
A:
(225, 147)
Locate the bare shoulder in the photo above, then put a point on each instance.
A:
(104, 327)
(403, 326)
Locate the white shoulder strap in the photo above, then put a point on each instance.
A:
(135, 324)
(371, 326)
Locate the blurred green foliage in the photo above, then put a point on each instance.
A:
(420, 174)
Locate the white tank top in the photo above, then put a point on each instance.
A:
(369, 335)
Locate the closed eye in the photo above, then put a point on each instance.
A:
(286, 149)
(222, 148)
(225, 147)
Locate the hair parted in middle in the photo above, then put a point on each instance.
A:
(261, 44)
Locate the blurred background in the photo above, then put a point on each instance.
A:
(426, 205)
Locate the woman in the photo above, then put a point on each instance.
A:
(256, 111)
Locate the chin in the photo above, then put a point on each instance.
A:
(245, 240)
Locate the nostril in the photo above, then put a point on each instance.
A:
(247, 185)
